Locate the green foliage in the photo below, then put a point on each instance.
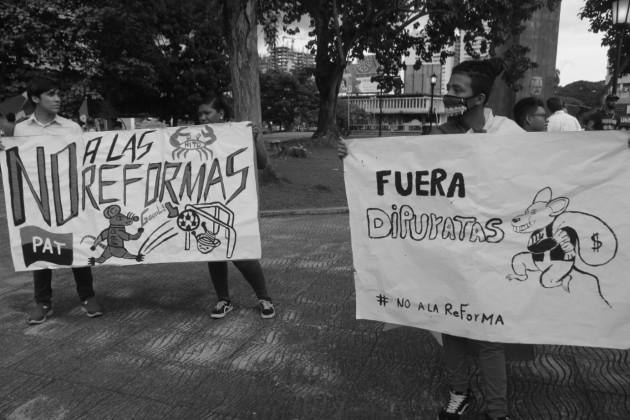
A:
(287, 99)
(139, 56)
(343, 30)
(587, 94)
(54, 37)
(358, 115)
(599, 14)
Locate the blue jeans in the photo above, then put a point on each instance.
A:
(493, 371)
(250, 269)
(42, 284)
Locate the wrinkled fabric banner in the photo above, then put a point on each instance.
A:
(132, 197)
(519, 239)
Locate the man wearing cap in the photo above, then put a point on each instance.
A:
(604, 118)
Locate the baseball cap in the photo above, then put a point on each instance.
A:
(612, 97)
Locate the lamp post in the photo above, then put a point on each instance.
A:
(433, 82)
(620, 11)
(348, 101)
(380, 112)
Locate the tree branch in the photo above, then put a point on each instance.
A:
(342, 56)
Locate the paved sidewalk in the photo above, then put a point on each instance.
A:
(157, 354)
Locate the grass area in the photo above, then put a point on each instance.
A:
(312, 182)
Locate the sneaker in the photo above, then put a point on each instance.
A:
(40, 313)
(457, 406)
(266, 309)
(91, 307)
(222, 308)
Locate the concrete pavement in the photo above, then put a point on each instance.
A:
(157, 354)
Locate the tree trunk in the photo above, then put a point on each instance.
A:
(241, 18)
(328, 82)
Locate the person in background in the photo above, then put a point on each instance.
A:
(530, 114)
(43, 93)
(214, 110)
(560, 120)
(604, 117)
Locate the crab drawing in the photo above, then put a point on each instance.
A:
(199, 143)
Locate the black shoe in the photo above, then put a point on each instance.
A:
(40, 313)
(266, 309)
(91, 307)
(456, 407)
(222, 308)
(498, 418)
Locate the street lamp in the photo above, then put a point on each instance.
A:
(379, 78)
(380, 111)
(620, 11)
(433, 82)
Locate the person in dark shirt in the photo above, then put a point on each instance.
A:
(604, 118)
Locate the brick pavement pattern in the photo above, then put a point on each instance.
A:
(157, 354)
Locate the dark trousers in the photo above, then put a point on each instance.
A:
(250, 269)
(42, 283)
(491, 364)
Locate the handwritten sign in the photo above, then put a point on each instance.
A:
(132, 197)
(519, 239)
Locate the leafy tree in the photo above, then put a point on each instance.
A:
(588, 94)
(346, 29)
(599, 14)
(286, 99)
(358, 115)
(55, 37)
(127, 77)
(192, 61)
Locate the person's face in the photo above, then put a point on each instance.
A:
(48, 101)
(208, 115)
(460, 86)
(538, 120)
(611, 103)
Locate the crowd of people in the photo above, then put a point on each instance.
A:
(469, 88)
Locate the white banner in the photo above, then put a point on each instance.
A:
(519, 239)
(132, 197)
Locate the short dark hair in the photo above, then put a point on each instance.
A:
(219, 103)
(525, 107)
(482, 73)
(554, 104)
(40, 85)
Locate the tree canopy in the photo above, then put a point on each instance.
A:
(287, 99)
(346, 29)
(599, 15)
(140, 56)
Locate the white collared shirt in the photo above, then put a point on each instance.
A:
(561, 121)
(498, 124)
(58, 126)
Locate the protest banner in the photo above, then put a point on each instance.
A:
(132, 197)
(519, 239)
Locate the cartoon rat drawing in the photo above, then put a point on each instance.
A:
(116, 235)
(556, 243)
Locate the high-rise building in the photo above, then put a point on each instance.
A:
(286, 59)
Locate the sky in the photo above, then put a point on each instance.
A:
(580, 55)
